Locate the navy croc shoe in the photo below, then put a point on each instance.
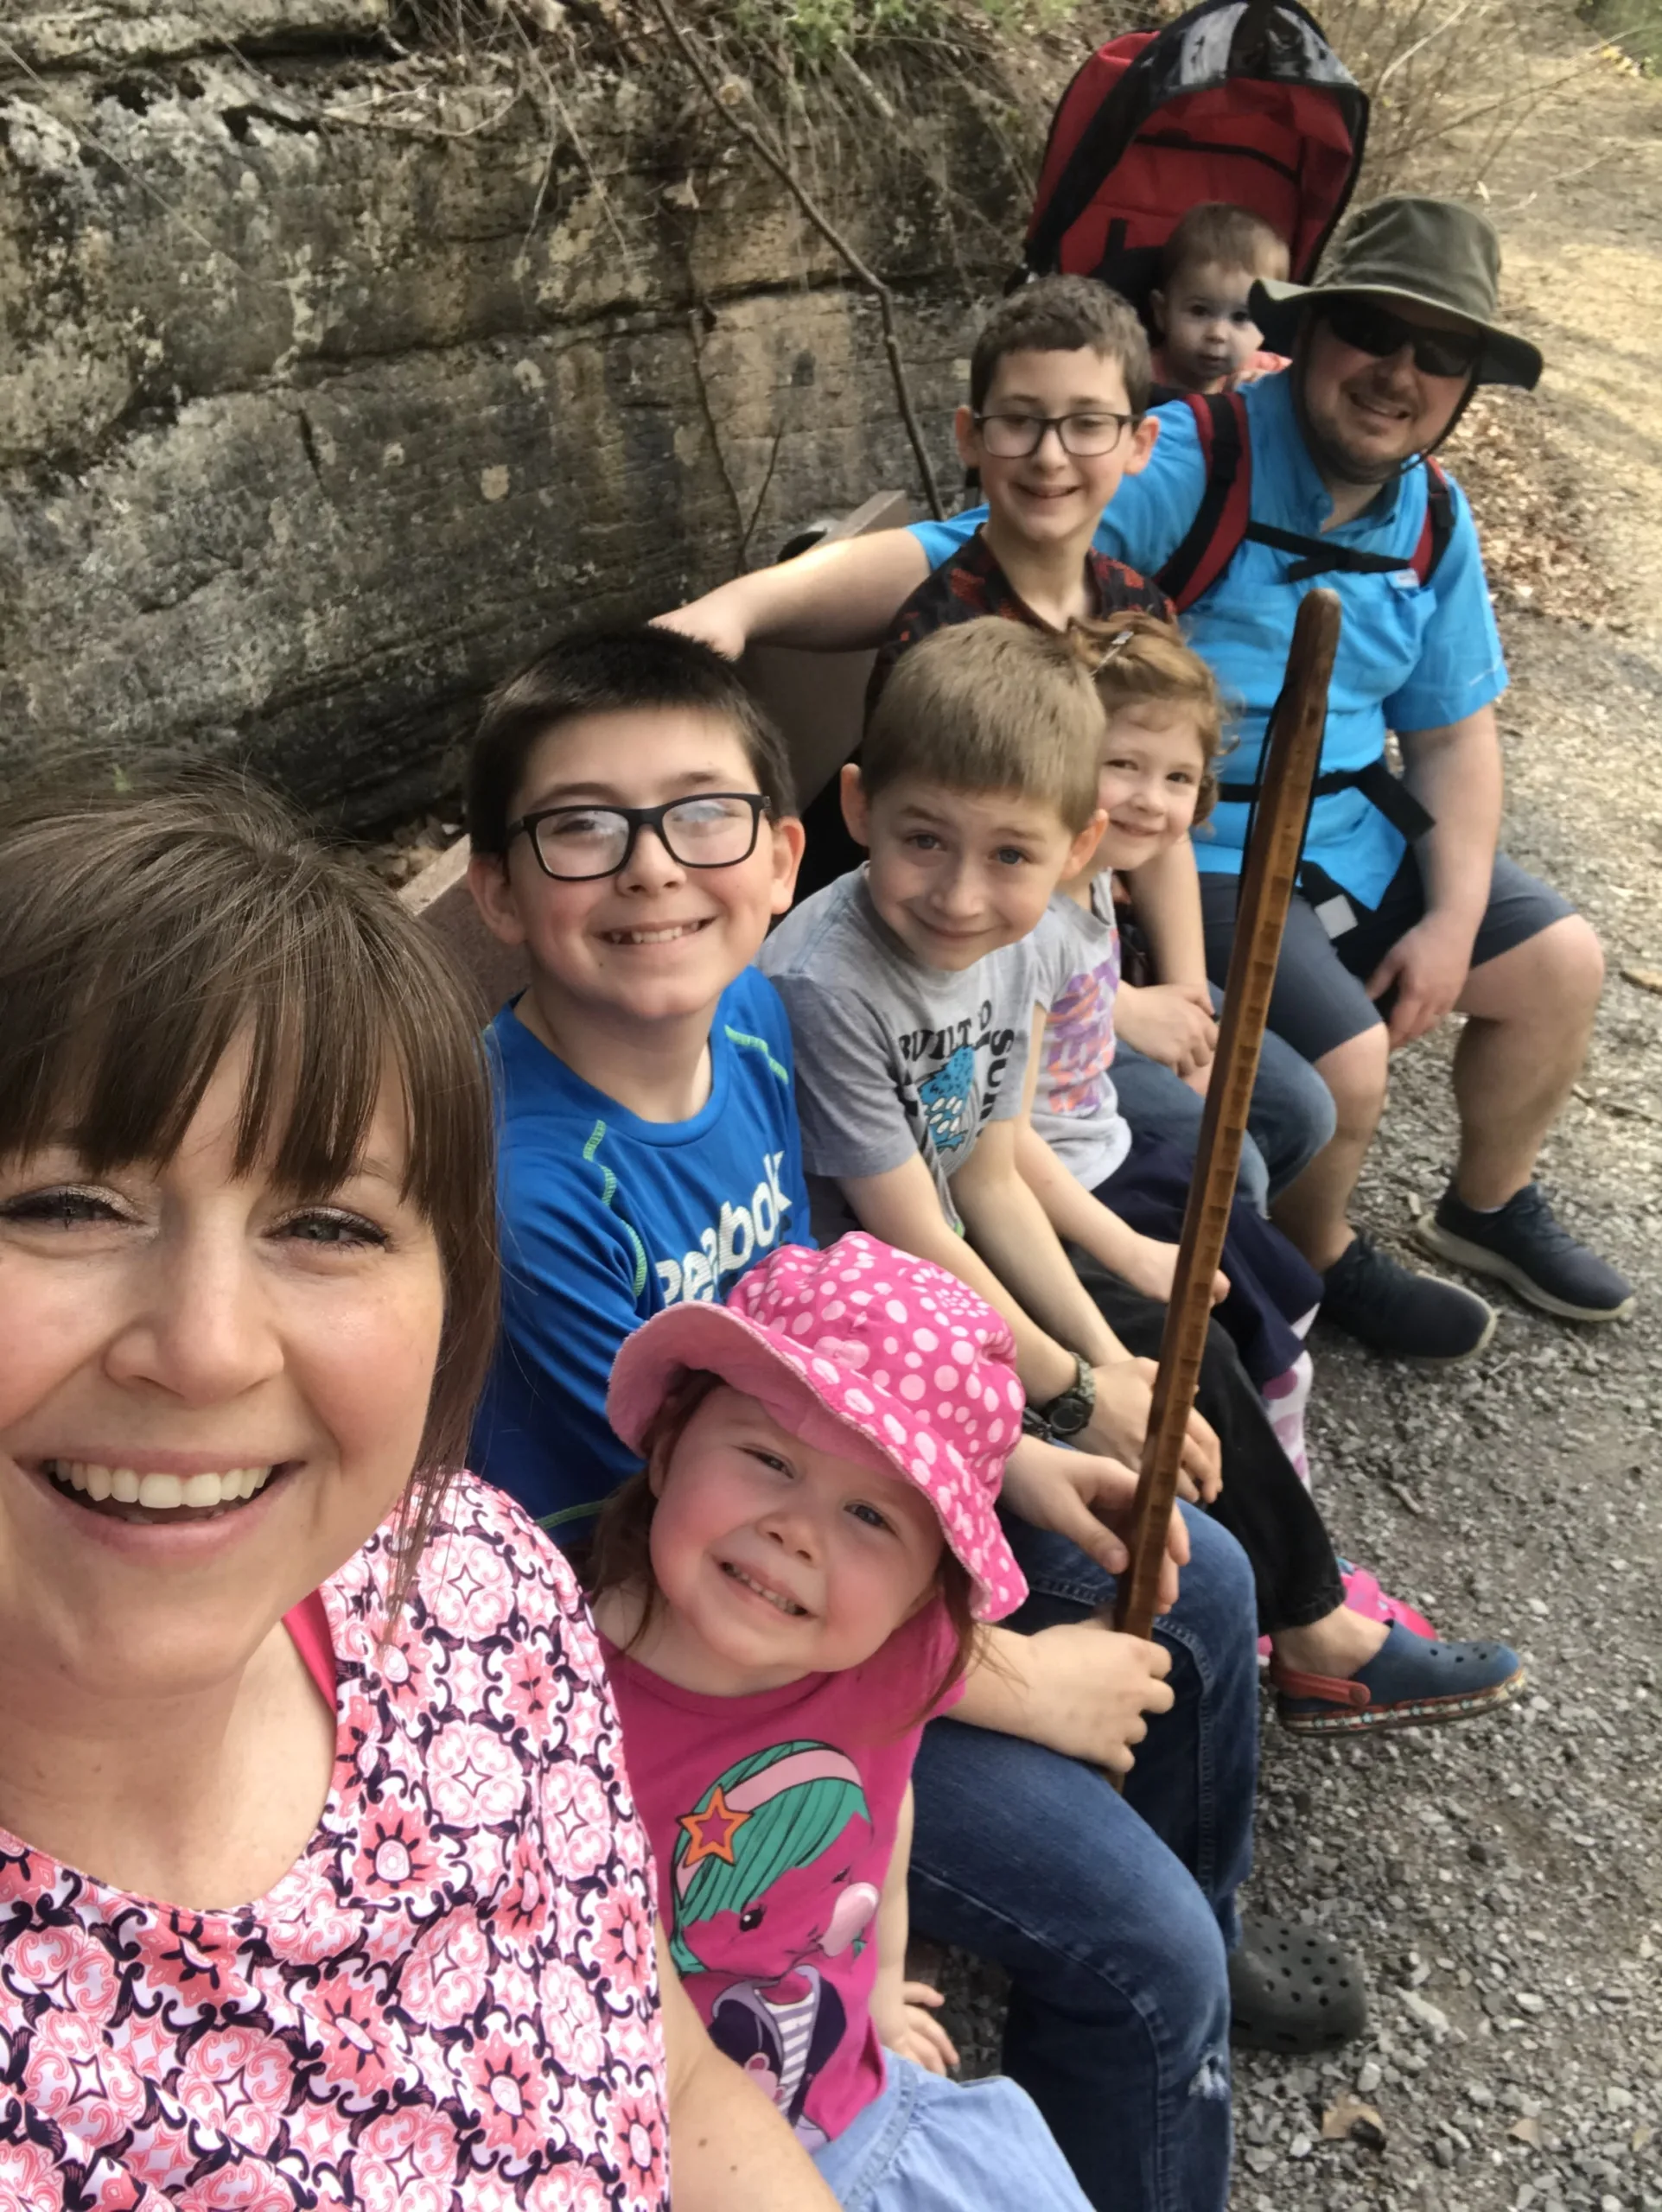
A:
(1412, 1681)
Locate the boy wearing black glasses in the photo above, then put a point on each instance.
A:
(1056, 419)
(1055, 425)
(1055, 422)
(633, 831)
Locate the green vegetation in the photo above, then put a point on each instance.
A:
(1634, 25)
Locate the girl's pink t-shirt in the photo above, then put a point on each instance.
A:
(772, 1818)
(447, 2005)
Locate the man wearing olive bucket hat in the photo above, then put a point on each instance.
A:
(1406, 911)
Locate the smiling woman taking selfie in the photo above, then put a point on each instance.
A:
(319, 1879)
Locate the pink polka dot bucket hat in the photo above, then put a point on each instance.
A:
(864, 1352)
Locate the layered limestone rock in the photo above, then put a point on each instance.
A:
(330, 387)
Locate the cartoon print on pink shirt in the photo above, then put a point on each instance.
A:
(761, 1875)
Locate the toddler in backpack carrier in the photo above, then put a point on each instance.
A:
(1206, 339)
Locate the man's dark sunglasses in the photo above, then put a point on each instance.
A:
(1370, 328)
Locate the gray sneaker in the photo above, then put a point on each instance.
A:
(1524, 1245)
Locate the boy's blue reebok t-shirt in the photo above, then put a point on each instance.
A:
(606, 1219)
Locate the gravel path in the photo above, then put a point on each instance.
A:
(1503, 1880)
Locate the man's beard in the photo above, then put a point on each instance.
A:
(1334, 460)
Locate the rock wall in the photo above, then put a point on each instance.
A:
(328, 392)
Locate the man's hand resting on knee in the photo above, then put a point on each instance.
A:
(1428, 968)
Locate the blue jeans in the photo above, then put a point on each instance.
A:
(1290, 1118)
(1112, 1915)
(927, 2145)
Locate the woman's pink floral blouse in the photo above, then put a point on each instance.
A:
(447, 2004)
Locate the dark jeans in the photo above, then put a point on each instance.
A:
(1290, 1118)
(1272, 1284)
(1262, 1504)
(1112, 1915)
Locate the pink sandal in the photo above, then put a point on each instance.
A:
(1364, 1595)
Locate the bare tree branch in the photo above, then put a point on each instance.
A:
(778, 162)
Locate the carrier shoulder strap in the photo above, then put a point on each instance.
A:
(1374, 780)
(1439, 524)
(1221, 520)
(1224, 518)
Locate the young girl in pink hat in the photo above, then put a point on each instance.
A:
(786, 1592)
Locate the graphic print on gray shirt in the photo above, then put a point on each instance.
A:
(892, 1057)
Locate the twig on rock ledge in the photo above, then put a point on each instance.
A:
(743, 531)
(778, 162)
(694, 316)
(767, 479)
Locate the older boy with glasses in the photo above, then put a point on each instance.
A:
(1055, 426)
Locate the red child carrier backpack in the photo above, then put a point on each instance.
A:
(1238, 100)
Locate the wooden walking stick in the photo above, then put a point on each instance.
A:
(1292, 748)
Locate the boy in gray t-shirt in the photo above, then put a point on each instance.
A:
(894, 1058)
(911, 986)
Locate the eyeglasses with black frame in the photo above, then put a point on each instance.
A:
(578, 844)
(1086, 436)
(1367, 327)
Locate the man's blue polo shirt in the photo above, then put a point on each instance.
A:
(1412, 657)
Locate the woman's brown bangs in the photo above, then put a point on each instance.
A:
(118, 1035)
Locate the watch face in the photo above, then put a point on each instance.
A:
(1068, 1414)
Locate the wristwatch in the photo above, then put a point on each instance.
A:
(1071, 1410)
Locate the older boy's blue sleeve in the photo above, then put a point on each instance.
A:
(940, 540)
(571, 1284)
(1151, 511)
(1460, 666)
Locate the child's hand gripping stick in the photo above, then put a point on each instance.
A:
(1292, 750)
